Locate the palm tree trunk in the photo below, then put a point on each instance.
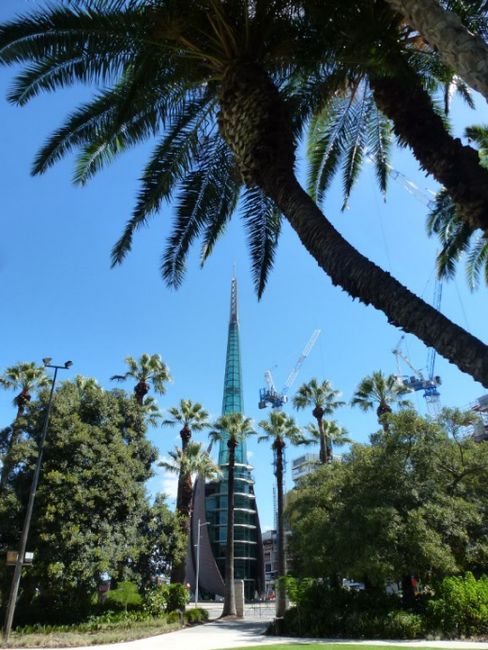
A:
(280, 591)
(229, 589)
(257, 127)
(183, 508)
(364, 280)
(323, 448)
(382, 413)
(403, 99)
(466, 53)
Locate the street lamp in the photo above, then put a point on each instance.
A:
(14, 589)
(200, 526)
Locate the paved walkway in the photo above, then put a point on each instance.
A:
(249, 632)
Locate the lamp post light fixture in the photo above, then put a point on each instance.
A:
(14, 589)
(200, 526)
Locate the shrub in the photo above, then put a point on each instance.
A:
(178, 597)
(156, 600)
(460, 607)
(196, 616)
(125, 595)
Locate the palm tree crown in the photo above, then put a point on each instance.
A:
(323, 399)
(148, 369)
(24, 377)
(335, 435)
(383, 391)
(191, 416)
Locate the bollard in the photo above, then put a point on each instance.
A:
(239, 590)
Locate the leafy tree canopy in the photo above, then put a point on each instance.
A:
(411, 502)
(92, 514)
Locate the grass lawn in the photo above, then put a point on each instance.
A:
(330, 646)
(136, 630)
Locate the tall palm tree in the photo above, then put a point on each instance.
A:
(381, 391)
(334, 434)
(280, 428)
(460, 49)
(212, 76)
(191, 416)
(26, 378)
(187, 463)
(148, 370)
(322, 398)
(232, 429)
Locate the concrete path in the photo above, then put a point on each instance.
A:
(219, 634)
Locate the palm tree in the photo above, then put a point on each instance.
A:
(148, 369)
(26, 378)
(399, 73)
(334, 435)
(187, 463)
(226, 59)
(455, 235)
(460, 49)
(323, 399)
(232, 429)
(193, 417)
(383, 391)
(280, 429)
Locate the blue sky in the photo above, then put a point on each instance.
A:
(60, 298)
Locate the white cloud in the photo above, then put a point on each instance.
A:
(250, 454)
(168, 480)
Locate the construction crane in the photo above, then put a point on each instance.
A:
(417, 381)
(269, 396)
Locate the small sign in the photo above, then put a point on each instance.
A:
(13, 555)
(12, 558)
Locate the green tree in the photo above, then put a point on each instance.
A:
(187, 462)
(380, 391)
(91, 499)
(280, 429)
(323, 398)
(334, 434)
(409, 503)
(148, 370)
(232, 429)
(230, 59)
(162, 544)
(26, 378)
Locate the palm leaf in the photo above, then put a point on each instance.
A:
(202, 200)
(170, 162)
(263, 224)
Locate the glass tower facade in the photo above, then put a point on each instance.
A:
(248, 562)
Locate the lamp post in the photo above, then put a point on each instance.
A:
(198, 560)
(14, 589)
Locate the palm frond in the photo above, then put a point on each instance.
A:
(208, 194)
(170, 163)
(263, 225)
(325, 138)
(355, 142)
(477, 262)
